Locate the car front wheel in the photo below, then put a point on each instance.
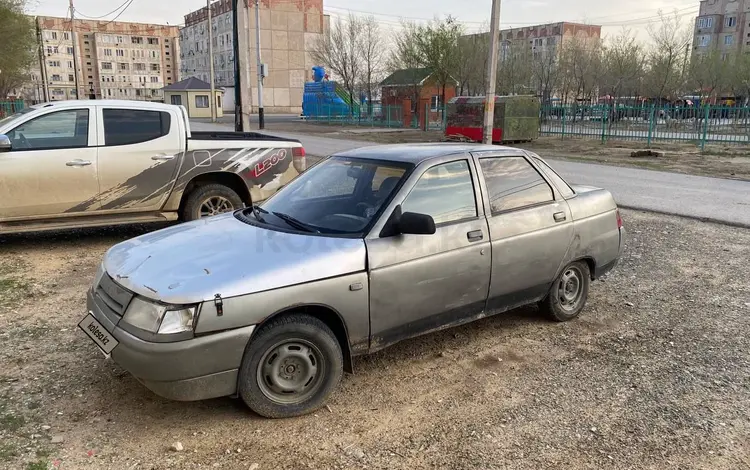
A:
(290, 367)
(568, 294)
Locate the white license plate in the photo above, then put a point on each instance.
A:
(98, 334)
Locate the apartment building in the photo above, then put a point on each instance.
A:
(114, 60)
(546, 36)
(288, 32)
(722, 25)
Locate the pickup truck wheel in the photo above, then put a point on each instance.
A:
(290, 367)
(208, 200)
(568, 293)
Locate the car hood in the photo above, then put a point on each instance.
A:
(192, 262)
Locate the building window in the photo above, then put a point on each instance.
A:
(154, 67)
(201, 101)
(119, 39)
(70, 64)
(123, 66)
(66, 36)
(120, 53)
(70, 50)
(153, 41)
(53, 63)
(728, 40)
(154, 79)
(108, 52)
(705, 22)
(704, 41)
(730, 21)
(51, 34)
(56, 78)
(106, 65)
(538, 42)
(136, 40)
(139, 67)
(435, 103)
(71, 78)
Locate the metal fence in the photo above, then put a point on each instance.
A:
(10, 107)
(375, 116)
(649, 124)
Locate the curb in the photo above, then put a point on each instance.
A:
(691, 217)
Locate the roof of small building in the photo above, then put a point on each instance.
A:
(189, 84)
(407, 77)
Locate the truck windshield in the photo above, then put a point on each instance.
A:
(338, 196)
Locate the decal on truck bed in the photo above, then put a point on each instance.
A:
(258, 167)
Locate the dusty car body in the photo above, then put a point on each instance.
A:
(367, 248)
(73, 164)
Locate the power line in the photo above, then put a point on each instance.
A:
(130, 2)
(104, 15)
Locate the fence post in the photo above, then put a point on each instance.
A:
(705, 127)
(564, 108)
(605, 118)
(651, 124)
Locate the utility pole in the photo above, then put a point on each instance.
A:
(75, 49)
(212, 98)
(241, 63)
(261, 69)
(42, 62)
(489, 107)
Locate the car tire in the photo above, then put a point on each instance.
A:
(208, 200)
(290, 367)
(568, 294)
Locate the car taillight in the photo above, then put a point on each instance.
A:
(299, 160)
(619, 219)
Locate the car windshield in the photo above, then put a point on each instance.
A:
(340, 195)
(8, 119)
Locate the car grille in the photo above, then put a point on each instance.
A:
(111, 298)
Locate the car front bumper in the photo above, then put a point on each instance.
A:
(195, 369)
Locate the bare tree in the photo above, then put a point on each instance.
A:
(373, 51)
(545, 71)
(340, 51)
(710, 72)
(406, 55)
(581, 66)
(623, 60)
(472, 63)
(439, 50)
(514, 68)
(664, 78)
(17, 49)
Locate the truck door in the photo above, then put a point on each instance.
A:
(51, 169)
(138, 158)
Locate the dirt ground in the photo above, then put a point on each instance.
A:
(654, 375)
(720, 161)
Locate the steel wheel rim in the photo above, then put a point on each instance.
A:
(215, 205)
(570, 288)
(291, 371)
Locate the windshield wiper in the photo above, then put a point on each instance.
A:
(298, 224)
(257, 210)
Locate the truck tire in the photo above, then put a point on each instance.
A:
(208, 200)
(290, 367)
(568, 294)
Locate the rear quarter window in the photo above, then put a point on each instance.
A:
(565, 190)
(133, 126)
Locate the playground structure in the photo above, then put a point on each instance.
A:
(516, 118)
(325, 99)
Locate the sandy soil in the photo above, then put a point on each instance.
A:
(654, 375)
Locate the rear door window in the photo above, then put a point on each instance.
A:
(513, 183)
(133, 126)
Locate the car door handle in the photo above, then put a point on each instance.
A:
(162, 158)
(78, 163)
(475, 236)
(560, 216)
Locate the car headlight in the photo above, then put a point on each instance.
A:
(158, 318)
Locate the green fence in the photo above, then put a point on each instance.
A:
(10, 107)
(374, 116)
(701, 125)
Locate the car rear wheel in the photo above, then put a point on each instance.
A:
(209, 200)
(568, 293)
(290, 367)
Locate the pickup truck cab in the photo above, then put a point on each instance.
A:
(365, 249)
(88, 163)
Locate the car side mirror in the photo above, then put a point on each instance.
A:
(5, 145)
(412, 223)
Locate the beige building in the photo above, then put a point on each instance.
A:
(115, 60)
(288, 30)
(193, 94)
(546, 36)
(722, 25)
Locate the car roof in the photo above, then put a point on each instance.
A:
(418, 153)
(63, 104)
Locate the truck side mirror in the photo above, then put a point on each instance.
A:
(5, 145)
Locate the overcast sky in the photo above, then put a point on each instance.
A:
(634, 14)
